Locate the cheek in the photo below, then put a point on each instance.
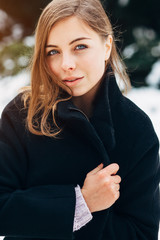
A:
(86, 62)
(95, 64)
(96, 58)
(53, 67)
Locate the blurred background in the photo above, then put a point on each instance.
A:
(137, 30)
(138, 21)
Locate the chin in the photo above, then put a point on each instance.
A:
(78, 94)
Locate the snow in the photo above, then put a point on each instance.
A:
(153, 78)
(147, 98)
(9, 87)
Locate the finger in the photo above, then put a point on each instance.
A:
(117, 194)
(111, 169)
(116, 179)
(117, 187)
(95, 170)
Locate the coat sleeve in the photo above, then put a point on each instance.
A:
(45, 211)
(136, 213)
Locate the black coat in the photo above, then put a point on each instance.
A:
(38, 174)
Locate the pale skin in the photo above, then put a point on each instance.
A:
(76, 54)
(101, 187)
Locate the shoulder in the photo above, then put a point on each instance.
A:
(14, 112)
(134, 124)
(134, 115)
(127, 114)
(15, 104)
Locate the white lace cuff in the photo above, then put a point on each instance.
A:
(82, 213)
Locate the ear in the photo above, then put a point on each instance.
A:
(108, 47)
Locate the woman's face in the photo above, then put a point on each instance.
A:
(76, 55)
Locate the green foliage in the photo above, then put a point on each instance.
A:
(14, 58)
(146, 53)
(139, 23)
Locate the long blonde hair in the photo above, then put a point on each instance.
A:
(42, 96)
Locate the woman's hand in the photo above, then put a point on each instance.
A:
(101, 187)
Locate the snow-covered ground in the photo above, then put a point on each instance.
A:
(148, 99)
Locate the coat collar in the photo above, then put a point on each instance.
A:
(104, 106)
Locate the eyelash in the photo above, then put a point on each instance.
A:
(79, 47)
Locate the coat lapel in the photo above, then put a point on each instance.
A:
(102, 117)
(99, 129)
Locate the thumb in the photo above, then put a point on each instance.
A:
(111, 169)
(95, 170)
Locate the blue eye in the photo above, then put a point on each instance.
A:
(81, 47)
(52, 52)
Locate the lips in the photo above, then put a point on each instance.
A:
(72, 79)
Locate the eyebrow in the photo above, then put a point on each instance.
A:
(75, 40)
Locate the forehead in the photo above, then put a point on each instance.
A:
(69, 29)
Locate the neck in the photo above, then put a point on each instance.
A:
(85, 102)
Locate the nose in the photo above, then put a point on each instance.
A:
(68, 62)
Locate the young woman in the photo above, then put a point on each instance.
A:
(78, 160)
